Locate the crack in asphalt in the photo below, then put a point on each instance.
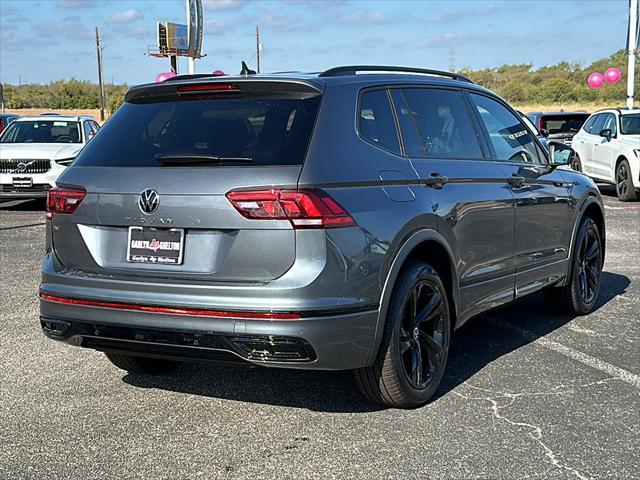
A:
(22, 226)
(535, 432)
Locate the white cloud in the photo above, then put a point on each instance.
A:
(76, 3)
(127, 16)
(223, 5)
(364, 17)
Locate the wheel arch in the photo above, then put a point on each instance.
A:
(429, 246)
(591, 207)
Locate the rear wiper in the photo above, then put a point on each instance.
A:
(196, 159)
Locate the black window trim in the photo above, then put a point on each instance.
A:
(494, 156)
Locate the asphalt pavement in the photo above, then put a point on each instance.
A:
(527, 394)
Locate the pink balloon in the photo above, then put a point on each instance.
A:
(161, 77)
(218, 73)
(612, 75)
(595, 80)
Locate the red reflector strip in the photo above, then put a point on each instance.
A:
(212, 87)
(173, 310)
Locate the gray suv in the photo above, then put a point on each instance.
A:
(351, 219)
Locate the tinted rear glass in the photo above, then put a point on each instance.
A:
(563, 123)
(270, 131)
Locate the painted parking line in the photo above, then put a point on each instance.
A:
(607, 207)
(588, 360)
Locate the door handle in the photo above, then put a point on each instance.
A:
(516, 181)
(436, 180)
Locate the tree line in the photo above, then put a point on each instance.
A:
(564, 82)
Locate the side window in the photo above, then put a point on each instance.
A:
(598, 124)
(375, 121)
(588, 125)
(95, 127)
(88, 131)
(510, 139)
(443, 123)
(610, 123)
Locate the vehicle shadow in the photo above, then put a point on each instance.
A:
(475, 345)
(23, 205)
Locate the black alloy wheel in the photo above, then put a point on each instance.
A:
(579, 295)
(589, 266)
(575, 163)
(422, 334)
(412, 357)
(624, 183)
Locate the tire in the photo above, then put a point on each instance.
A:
(396, 379)
(624, 182)
(143, 365)
(576, 164)
(580, 295)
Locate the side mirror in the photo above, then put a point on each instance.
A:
(544, 132)
(560, 154)
(606, 133)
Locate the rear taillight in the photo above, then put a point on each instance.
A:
(63, 200)
(303, 208)
(540, 124)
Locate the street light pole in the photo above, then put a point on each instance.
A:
(633, 47)
(101, 84)
(258, 48)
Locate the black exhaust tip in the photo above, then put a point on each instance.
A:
(54, 328)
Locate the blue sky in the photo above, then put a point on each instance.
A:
(46, 40)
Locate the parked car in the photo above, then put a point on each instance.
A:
(608, 149)
(561, 126)
(34, 151)
(347, 220)
(534, 129)
(6, 119)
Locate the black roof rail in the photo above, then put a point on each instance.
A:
(353, 69)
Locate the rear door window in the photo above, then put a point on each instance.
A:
(267, 131)
(442, 122)
(510, 139)
(375, 121)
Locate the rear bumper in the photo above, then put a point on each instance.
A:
(328, 342)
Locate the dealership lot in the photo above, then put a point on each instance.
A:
(527, 394)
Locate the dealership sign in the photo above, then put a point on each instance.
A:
(194, 27)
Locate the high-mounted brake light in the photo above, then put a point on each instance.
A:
(303, 208)
(208, 88)
(63, 200)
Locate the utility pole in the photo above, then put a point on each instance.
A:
(258, 48)
(633, 47)
(101, 84)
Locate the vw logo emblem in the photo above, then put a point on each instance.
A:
(21, 168)
(149, 201)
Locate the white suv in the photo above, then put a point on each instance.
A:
(608, 149)
(34, 151)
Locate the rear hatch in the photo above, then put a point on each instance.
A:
(157, 173)
(562, 126)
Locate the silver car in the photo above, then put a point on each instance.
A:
(348, 220)
(35, 150)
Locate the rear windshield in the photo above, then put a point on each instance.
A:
(630, 124)
(563, 123)
(42, 132)
(268, 131)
